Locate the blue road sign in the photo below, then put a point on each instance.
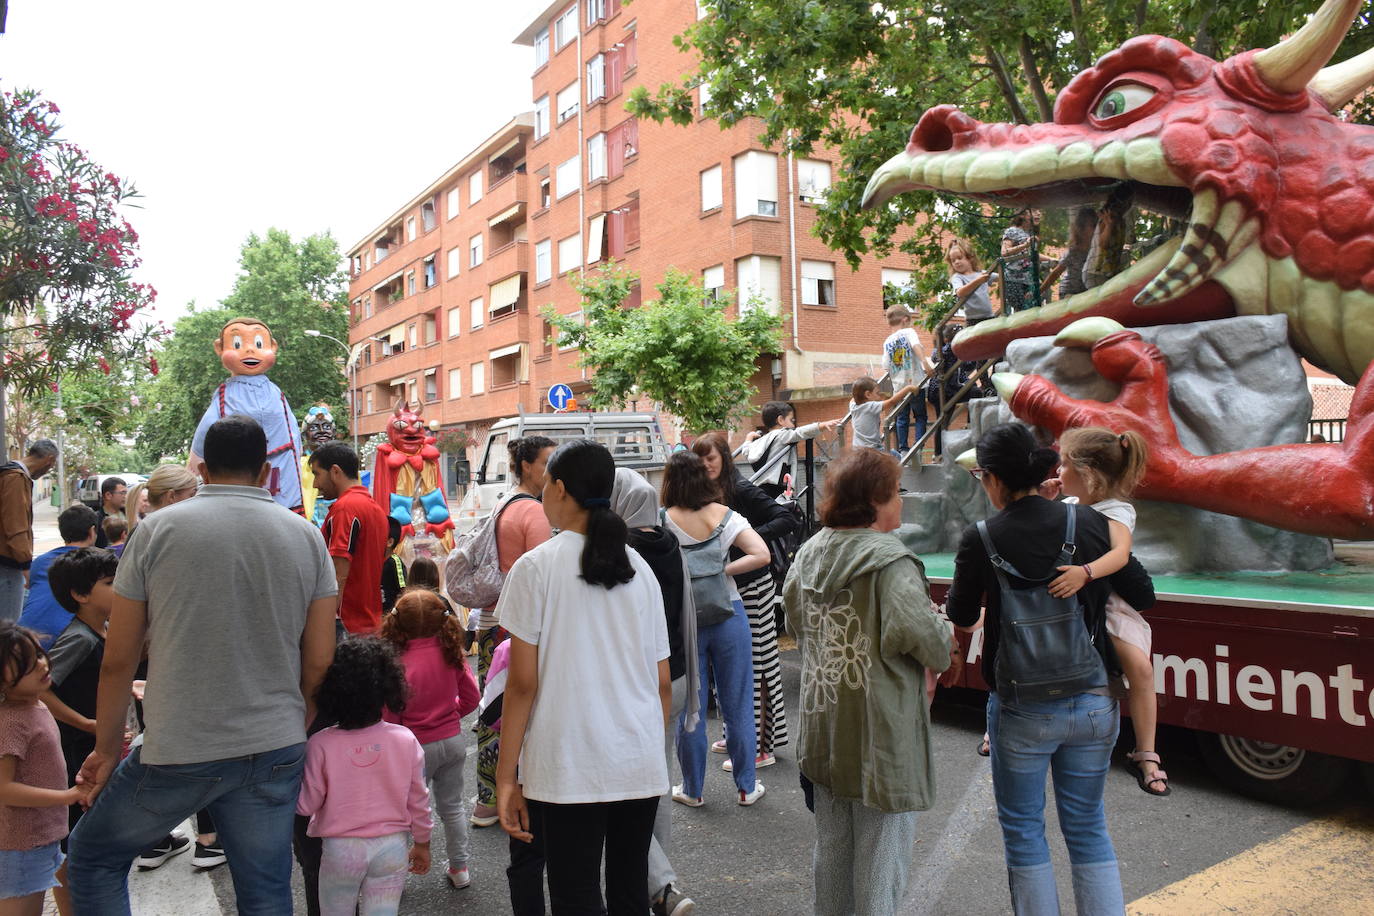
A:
(559, 396)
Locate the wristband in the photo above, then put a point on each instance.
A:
(1088, 571)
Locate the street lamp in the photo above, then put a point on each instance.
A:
(352, 369)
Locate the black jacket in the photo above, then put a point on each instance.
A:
(1028, 534)
(663, 553)
(765, 516)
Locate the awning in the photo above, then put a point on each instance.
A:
(505, 293)
(396, 335)
(396, 382)
(595, 234)
(503, 150)
(356, 352)
(395, 276)
(505, 351)
(506, 214)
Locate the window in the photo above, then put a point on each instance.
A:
(477, 313)
(703, 9)
(596, 78)
(623, 228)
(455, 322)
(713, 281)
(475, 250)
(563, 342)
(545, 193)
(620, 59)
(429, 214)
(570, 253)
(431, 384)
(479, 378)
(565, 27)
(566, 178)
(452, 203)
(455, 383)
(505, 296)
(759, 283)
(431, 324)
(596, 238)
(431, 273)
(508, 365)
(622, 143)
(596, 11)
(367, 306)
(410, 391)
(474, 187)
(543, 261)
(369, 400)
(410, 332)
(710, 189)
(756, 184)
(541, 48)
(541, 117)
(898, 278)
(817, 283)
(410, 229)
(367, 260)
(455, 262)
(566, 102)
(813, 179)
(596, 157)
(703, 97)
(410, 283)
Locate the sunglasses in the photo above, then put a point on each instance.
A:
(977, 473)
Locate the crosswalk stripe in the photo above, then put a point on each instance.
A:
(1326, 866)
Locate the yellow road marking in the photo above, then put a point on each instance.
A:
(1325, 867)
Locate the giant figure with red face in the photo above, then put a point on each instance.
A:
(406, 482)
(247, 350)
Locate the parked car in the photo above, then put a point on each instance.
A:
(88, 488)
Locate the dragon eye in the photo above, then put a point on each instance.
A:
(1121, 98)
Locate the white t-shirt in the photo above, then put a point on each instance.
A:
(595, 731)
(1118, 510)
(733, 526)
(903, 357)
(868, 424)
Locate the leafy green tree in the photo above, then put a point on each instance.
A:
(682, 351)
(293, 287)
(856, 75)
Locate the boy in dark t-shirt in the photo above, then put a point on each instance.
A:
(393, 569)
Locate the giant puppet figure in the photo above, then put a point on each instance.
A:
(1278, 198)
(406, 482)
(318, 432)
(247, 350)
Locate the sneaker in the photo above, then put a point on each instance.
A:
(459, 877)
(484, 816)
(166, 848)
(682, 798)
(208, 855)
(748, 798)
(719, 747)
(762, 760)
(673, 903)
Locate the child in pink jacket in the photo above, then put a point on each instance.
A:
(364, 786)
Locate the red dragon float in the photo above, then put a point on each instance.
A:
(1278, 197)
(406, 482)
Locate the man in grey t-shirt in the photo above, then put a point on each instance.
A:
(236, 596)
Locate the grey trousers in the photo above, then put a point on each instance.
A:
(11, 593)
(863, 857)
(661, 872)
(444, 762)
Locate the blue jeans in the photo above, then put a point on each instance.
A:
(1073, 739)
(11, 593)
(915, 407)
(727, 649)
(253, 802)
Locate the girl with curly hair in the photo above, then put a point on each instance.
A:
(364, 786)
(430, 638)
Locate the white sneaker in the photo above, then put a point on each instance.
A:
(682, 798)
(459, 877)
(748, 798)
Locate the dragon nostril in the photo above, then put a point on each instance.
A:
(936, 130)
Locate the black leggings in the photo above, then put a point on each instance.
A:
(573, 838)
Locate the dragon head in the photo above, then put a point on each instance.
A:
(406, 430)
(1246, 152)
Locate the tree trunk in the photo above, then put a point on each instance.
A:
(1037, 85)
(1083, 53)
(1141, 10)
(1204, 42)
(999, 70)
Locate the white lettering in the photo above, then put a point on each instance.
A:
(1253, 680)
(1345, 684)
(1181, 669)
(1316, 693)
(1223, 676)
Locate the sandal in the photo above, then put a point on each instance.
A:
(984, 749)
(1147, 781)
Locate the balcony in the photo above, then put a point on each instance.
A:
(511, 258)
(506, 193)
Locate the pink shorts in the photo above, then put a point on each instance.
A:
(1125, 623)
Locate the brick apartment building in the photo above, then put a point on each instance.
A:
(446, 291)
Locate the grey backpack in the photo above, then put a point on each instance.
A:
(472, 572)
(706, 561)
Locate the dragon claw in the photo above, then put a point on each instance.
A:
(1005, 383)
(1087, 331)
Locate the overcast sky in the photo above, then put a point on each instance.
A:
(231, 118)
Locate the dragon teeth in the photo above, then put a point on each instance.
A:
(989, 172)
(1214, 236)
(1110, 160)
(1076, 160)
(1035, 166)
(1145, 162)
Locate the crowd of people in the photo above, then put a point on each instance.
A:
(311, 705)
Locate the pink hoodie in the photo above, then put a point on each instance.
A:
(440, 695)
(365, 782)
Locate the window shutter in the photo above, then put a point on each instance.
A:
(631, 226)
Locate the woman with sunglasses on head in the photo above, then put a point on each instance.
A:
(1071, 735)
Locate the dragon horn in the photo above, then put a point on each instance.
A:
(1338, 84)
(1289, 66)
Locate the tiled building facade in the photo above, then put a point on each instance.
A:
(446, 292)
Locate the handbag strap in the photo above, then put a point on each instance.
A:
(1001, 565)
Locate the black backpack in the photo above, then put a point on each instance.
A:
(1045, 651)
